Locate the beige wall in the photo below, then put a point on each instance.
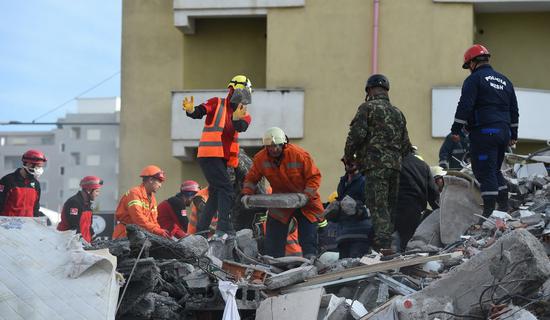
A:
(151, 68)
(222, 48)
(326, 48)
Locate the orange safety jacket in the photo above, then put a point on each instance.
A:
(202, 195)
(136, 208)
(292, 247)
(296, 173)
(210, 144)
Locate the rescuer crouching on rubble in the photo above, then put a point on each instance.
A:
(289, 169)
(172, 212)
(138, 205)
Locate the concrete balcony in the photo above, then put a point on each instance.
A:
(270, 108)
(495, 6)
(534, 112)
(186, 11)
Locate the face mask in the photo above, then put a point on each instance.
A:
(36, 171)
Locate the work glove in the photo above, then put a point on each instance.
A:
(165, 234)
(239, 113)
(188, 105)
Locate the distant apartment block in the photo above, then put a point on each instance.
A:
(74, 150)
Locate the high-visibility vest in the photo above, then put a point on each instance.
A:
(194, 215)
(211, 145)
(293, 247)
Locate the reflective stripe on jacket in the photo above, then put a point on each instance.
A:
(136, 208)
(296, 173)
(211, 145)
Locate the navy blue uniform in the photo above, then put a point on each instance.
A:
(488, 108)
(450, 151)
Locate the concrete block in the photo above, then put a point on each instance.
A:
(291, 276)
(193, 245)
(246, 242)
(277, 200)
(463, 286)
(296, 305)
(427, 235)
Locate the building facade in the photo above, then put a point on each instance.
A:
(308, 61)
(84, 146)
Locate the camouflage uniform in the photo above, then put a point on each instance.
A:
(378, 139)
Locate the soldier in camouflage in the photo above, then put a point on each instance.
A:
(377, 141)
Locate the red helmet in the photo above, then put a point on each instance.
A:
(91, 182)
(474, 51)
(34, 156)
(189, 186)
(153, 171)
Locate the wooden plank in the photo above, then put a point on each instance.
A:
(362, 270)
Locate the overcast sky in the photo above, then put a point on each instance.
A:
(52, 50)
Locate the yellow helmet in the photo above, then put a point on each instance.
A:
(274, 135)
(332, 197)
(240, 82)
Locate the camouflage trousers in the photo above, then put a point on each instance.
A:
(382, 187)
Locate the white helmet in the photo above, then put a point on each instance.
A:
(274, 135)
(437, 171)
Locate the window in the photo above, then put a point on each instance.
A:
(60, 194)
(12, 162)
(75, 158)
(61, 170)
(16, 141)
(75, 133)
(93, 134)
(2, 141)
(93, 160)
(62, 146)
(47, 140)
(74, 183)
(44, 186)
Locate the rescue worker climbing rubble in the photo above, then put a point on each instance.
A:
(172, 212)
(288, 169)
(489, 109)
(219, 148)
(20, 190)
(77, 211)
(198, 205)
(377, 141)
(138, 205)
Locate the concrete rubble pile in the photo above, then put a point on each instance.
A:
(454, 267)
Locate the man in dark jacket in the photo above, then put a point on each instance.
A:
(77, 211)
(489, 109)
(416, 189)
(354, 229)
(451, 153)
(172, 211)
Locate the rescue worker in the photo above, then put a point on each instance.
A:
(172, 212)
(77, 211)
(20, 190)
(489, 109)
(417, 189)
(219, 148)
(377, 140)
(292, 247)
(288, 169)
(198, 204)
(355, 230)
(138, 205)
(437, 174)
(452, 153)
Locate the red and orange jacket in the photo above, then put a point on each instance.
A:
(296, 173)
(77, 215)
(220, 135)
(136, 208)
(172, 216)
(19, 197)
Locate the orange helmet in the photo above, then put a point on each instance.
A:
(91, 183)
(473, 52)
(153, 171)
(34, 156)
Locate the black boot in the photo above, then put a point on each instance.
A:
(502, 200)
(488, 206)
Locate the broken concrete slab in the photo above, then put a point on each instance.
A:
(291, 276)
(460, 200)
(276, 200)
(426, 236)
(246, 242)
(463, 286)
(297, 305)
